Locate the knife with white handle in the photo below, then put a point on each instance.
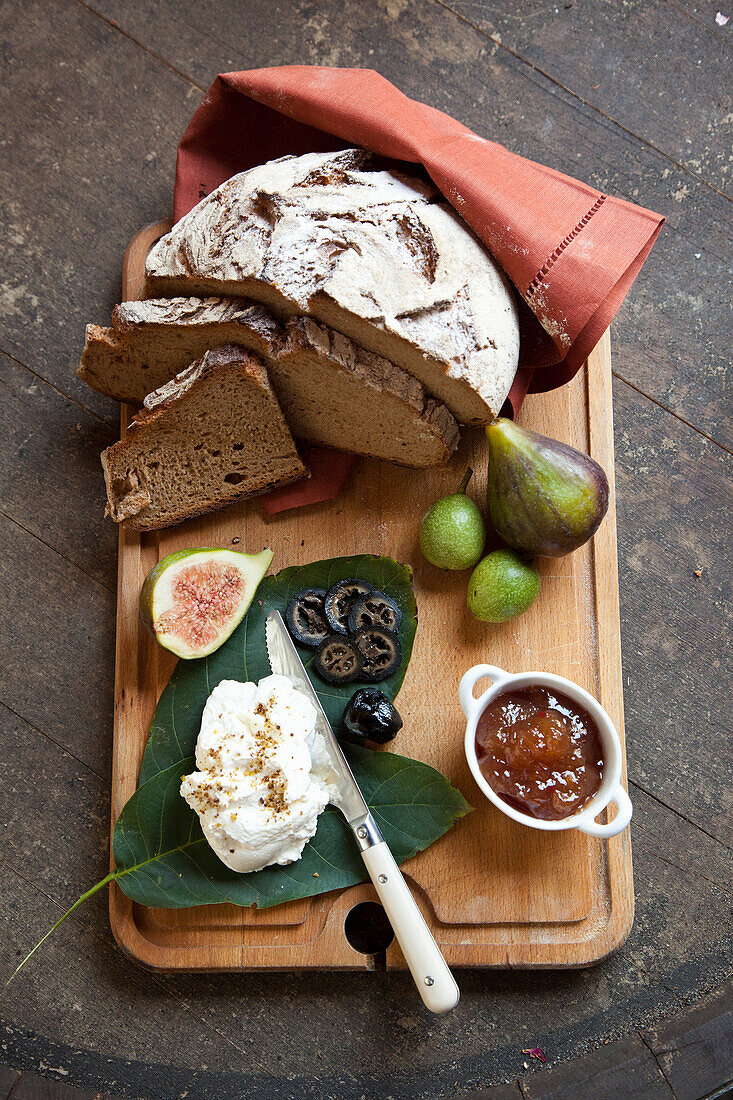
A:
(434, 981)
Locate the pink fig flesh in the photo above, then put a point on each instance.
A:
(192, 600)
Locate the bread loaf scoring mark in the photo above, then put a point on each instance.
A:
(182, 257)
(335, 172)
(265, 207)
(456, 313)
(333, 176)
(332, 249)
(419, 242)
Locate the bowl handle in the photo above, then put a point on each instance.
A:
(471, 678)
(620, 821)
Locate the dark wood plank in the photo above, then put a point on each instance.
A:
(72, 817)
(499, 1092)
(96, 105)
(673, 502)
(668, 339)
(33, 1087)
(671, 839)
(53, 483)
(629, 62)
(704, 11)
(626, 1069)
(8, 1078)
(696, 1050)
(88, 137)
(57, 637)
(82, 1007)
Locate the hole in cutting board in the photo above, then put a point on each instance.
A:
(367, 928)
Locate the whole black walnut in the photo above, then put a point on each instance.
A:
(370, 716)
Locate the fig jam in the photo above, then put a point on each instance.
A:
(540, 751)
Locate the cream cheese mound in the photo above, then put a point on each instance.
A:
(264, 774)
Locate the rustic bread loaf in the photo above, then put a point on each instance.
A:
(213, 435)
(152, 341)
(374, 254)
(331, 391)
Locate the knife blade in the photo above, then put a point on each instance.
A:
(434, 981)
(285, 660)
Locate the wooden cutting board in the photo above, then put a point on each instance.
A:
(493, 892)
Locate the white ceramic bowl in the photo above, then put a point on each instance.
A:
(610, 789)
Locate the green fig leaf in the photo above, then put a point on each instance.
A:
(243, 656)
(163, 859)
(161, 855)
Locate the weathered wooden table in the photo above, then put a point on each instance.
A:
(632, 97)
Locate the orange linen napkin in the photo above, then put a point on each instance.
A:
(571, 251)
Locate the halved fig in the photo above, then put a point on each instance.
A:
(192, 600)
(374, 609)
(306, 618)
(380, 651)
(340, 599)
(337, 660)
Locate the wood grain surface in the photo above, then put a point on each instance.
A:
(494, 893)
(96, 96)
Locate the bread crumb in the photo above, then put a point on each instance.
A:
(698, 572)
(316, 875)
(235, 540)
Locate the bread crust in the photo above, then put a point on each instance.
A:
(138, 354)
(149, 313)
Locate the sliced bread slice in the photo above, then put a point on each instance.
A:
(377, 255)
(151, 341)
(332, 392)
(339, 395)
(213, 435)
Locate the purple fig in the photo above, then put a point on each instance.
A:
(544, 497)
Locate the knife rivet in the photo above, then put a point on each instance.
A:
(361, 832)
(429, 980)
(382, 878)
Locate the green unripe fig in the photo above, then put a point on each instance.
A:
(452, 532)
(501, 587)
(544, 497)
